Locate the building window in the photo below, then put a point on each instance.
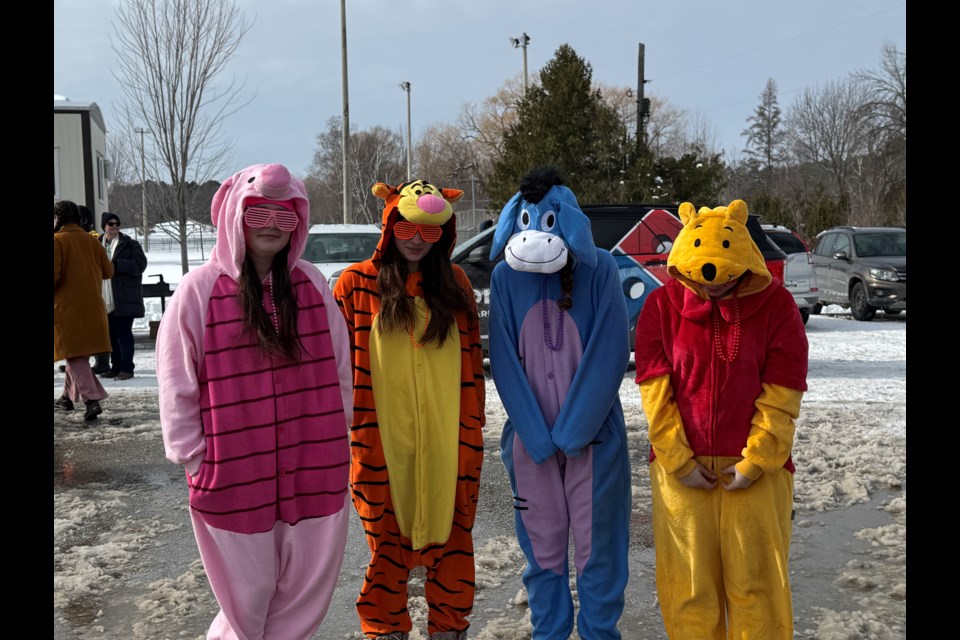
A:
(101, 179)
(56, 173)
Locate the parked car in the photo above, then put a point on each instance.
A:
(798, 276)
(863, 269)
(334, 247)
(638, 235)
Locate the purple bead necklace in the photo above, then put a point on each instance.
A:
(547, 339)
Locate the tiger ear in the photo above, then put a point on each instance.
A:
(381, 190)
(452, 195)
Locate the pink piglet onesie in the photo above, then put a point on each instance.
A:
(263, 437)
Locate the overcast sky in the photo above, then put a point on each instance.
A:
(711, 58)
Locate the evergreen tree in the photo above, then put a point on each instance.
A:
(766, 134)
(564, 123)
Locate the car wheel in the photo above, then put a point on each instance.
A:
(892, 312)
(804, 315)
(859, 308)
(816, 309)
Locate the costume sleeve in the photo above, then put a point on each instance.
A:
(654, 369)
(784, 380)
(136, 264)
(666, 434)
(606, 352)
(512, 385)
(476, 345)
(179, 352)
(339, 337)
(771, 431)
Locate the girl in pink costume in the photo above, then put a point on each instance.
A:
(255, 380)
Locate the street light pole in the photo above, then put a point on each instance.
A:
(143, 188)
(518, 43)
(406, 87)
(345, 139)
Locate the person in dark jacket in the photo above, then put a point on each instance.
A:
(124, 296)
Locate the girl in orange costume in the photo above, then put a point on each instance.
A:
(416, 438)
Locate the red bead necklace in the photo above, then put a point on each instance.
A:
(717, 342)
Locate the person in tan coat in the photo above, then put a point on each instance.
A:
(79, 317)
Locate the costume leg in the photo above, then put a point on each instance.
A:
(450, 585)
(686, 535)
(243, 588)
(756, 529)
(79, 383)
(310, 555)
(542, 525)
(598, 494)
(382, 605)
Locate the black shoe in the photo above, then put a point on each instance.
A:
(93, 410)
(65, 403)
(124, 375)
(98, 371)
(110, 374)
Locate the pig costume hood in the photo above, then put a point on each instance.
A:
(260, 182)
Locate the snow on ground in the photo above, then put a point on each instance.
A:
(850, 451)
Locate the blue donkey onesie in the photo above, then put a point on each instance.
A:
(558, 369)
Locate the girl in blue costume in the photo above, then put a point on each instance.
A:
(558, 350)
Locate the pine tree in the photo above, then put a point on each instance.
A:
(564, 123)
(766, 135)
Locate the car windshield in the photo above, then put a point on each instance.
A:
(881, 244)
(788, 242)
(340, 247)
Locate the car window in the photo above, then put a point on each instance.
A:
(824, 245)
(842, 244)
(881, 244)
(787, 242)
(340, 247)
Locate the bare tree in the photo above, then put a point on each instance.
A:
(826, 128)
(170, 56)
(666, 129)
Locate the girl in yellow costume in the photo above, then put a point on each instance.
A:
(416, 438)
(721, 359)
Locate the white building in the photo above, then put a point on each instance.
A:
(80, 165)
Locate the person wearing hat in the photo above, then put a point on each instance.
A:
(122, 294)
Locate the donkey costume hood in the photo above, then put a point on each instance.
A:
(259, 183)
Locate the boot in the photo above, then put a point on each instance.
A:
(449, 635)
(64, 403)
(93, 410)
(102, 363)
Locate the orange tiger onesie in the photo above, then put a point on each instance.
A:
(415, 469)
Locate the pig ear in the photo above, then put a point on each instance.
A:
(505, 224)
(216, 205)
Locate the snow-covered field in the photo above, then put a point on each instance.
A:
(125, 564)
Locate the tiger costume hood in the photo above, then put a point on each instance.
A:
(419, 202)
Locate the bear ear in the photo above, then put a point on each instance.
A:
(737, 210)
(687, 213)
(381, 190)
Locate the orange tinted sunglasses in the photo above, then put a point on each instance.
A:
(406, 230)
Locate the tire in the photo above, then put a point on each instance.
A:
(804, 315)
(816, 309)
(892, 312)
(859, 308)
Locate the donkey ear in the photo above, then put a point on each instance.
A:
(505, 224)
(575, 230)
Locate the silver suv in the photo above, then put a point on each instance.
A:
(863, 268)
(798, 275)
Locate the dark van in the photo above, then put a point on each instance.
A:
(638, 235)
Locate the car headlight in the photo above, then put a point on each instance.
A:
(884, 274)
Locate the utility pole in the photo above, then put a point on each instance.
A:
(406, 87)
(519, 43)
(643, 104)
(347, 204)
(143, 189)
